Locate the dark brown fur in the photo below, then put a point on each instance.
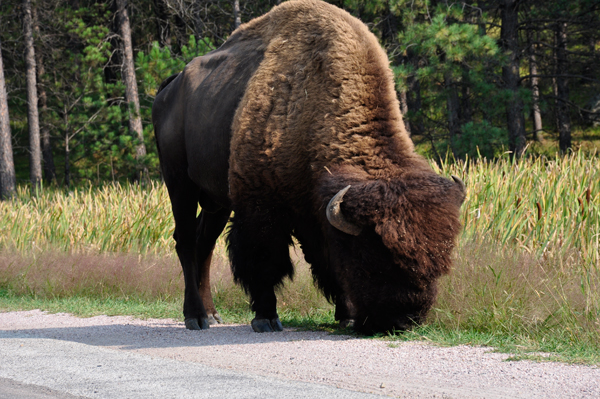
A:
(320, 113)
(317, 114)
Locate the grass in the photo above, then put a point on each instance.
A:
(552, 347)
(586, 140)
(540, 205)
(148, 285)
(85, 306)
(517, 303)
(113, 218)
(526, 277)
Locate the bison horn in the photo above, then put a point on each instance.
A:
(336, 217)
(458, 181)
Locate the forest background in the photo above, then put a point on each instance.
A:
(473, 78)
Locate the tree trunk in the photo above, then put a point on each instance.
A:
(67, 164)
(162, 23)
(48, 158)
(535, 91)
(466, 107)
(563, 119)
(509, 37)
(67, 149)
(452, 104)
(199, 26)
(7, 166)
(237, 14)
(35, 151)
(131, 89)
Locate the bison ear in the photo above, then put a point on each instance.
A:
(336, 217)
(460, 183)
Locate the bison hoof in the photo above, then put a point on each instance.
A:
(348, 323)
(195, 324)
(266, 325)
(214, 319)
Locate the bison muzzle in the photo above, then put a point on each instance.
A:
(294, 125)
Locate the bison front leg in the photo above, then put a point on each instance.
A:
(344, 311)
(264, 303)
(259, 252)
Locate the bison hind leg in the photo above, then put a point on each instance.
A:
(258, 245)
(208, 229)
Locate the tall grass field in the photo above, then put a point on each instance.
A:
(526, 275)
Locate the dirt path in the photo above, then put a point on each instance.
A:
(413, 370)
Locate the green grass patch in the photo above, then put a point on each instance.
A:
(321, 319)
(543, 344)
(83, 306)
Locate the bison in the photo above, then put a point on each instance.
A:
(294, 125)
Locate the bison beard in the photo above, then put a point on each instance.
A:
(296, 108)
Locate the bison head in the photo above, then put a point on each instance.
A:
(388, 241)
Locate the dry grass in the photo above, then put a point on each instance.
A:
(527, 264)
(54, 274)
(493, 288)
(58, 274)
(545, 207)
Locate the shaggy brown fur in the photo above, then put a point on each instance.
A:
(321, 112)
(317, 112)
(323, 95)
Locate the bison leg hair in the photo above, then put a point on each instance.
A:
(344, 311)
(259, 243)
(328, 282)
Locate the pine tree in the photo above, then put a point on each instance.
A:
(35, 150)
(446, 67)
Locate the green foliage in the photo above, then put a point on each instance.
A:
(154, 67)
(445, 50)
(87, 109)
(445, 40)
(96, 121)
(480, 139)
(159, 63)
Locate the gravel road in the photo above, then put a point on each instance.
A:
(106, 357)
